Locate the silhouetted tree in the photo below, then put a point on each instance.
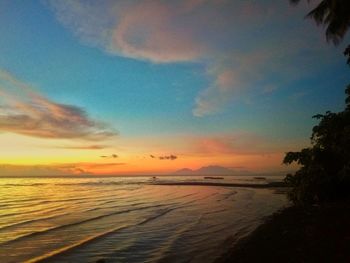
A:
(325, 166)
(347, 54)
(335, 15)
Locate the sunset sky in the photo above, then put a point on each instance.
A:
(150, 87)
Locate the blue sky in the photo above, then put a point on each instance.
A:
(196, 68)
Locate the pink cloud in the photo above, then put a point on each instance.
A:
(148, 30)
(24, 111)
(236, 144)
(84, 147)
(237, 42)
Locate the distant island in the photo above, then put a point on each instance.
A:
(211, 170)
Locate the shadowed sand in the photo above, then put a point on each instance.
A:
(296, 234)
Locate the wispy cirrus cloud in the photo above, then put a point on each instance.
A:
(149, 30)
(26, 112)
(83, 147)
(237, 144)
(240, 43)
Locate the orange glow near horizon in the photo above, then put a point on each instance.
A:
(30, 159)
(130, 156)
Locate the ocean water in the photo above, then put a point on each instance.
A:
(126, 219)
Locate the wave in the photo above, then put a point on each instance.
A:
(132, 208)
(216, 211)
(227, 196)
(29, 184)
(102, 183)
(34, 212)
(98, 183)
(75, 245)
(78, 223)
(61, 251)
(161, 255)
(31, 221)
(134, 203)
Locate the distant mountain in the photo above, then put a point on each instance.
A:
(184, 171)
(210, 170)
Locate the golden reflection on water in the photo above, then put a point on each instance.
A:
(41, 218)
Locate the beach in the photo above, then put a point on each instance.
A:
(170, 219)
(297, 234)
(188, 131)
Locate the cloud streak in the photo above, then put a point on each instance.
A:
(26, 112)
(164, 157)
(168, 157)
(64, 169)
(113, 156)
(83, 147)
(236, 144)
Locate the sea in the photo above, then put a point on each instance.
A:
(129, 219)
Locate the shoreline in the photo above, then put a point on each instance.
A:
(297, 234)
(263, 186)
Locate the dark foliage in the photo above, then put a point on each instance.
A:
(347, 54)
(335, 16)
(325, 166)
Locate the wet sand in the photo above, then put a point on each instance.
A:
(294, 234)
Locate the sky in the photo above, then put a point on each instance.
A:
(153, 86)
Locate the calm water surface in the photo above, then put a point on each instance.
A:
(125, 219)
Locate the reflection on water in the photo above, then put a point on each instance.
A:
(124, 219)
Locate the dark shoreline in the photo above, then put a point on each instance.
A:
(297, 234)
(267, 185)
